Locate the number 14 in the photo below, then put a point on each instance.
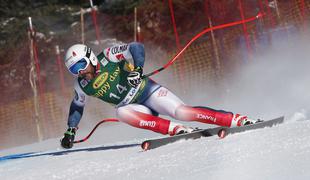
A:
(120, 90)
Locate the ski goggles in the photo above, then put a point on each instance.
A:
(79, 66)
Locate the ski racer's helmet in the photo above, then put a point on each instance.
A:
(78, 57)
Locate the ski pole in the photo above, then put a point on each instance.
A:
(171, 61)
(88, 136)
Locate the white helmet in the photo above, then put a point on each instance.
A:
(78, 57)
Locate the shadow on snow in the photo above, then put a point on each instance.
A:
(64, 152)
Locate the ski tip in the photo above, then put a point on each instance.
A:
(145, 145)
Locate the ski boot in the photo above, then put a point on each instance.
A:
(177, 129)
(244, 120)
(247, 121)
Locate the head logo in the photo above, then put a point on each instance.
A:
(100, 80)
(144, 123)
(73, 53)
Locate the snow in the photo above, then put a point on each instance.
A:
(280, 152)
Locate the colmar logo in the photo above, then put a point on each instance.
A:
(119, 49)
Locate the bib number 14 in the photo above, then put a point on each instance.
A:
(120, 90)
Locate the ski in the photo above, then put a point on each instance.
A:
(220, 131)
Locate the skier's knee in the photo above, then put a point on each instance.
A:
(126, 113)
(180, 112)
(121, 113)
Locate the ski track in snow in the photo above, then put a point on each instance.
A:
(281, 152)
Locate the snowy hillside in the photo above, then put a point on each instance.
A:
(281, 152)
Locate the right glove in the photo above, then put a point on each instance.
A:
(67, 140)
(135, 77)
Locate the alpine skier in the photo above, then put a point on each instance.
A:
(138, 101)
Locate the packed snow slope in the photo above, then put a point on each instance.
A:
(280, 152)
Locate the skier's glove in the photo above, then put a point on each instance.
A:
(67, 140)
(135, 77)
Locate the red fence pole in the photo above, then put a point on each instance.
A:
(94, 17)
(139, 34)
(273, 23)
(36, 61)
(38, 74)
(182, 64)
(177, 41)
(303, 13)
(214, 44)
(246, 34)
(33, 81)
(60, 69)
(261, 6)
(41, 84)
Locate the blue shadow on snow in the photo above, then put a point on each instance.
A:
(64, 152)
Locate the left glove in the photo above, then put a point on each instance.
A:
(67, 140)
(135, 77)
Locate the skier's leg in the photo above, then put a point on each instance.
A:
(141, 117)
(204, 115)
(165, 102)
(212, 116)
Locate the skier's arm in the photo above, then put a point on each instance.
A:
(138, 54)
(75, 115)
(76, 107)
